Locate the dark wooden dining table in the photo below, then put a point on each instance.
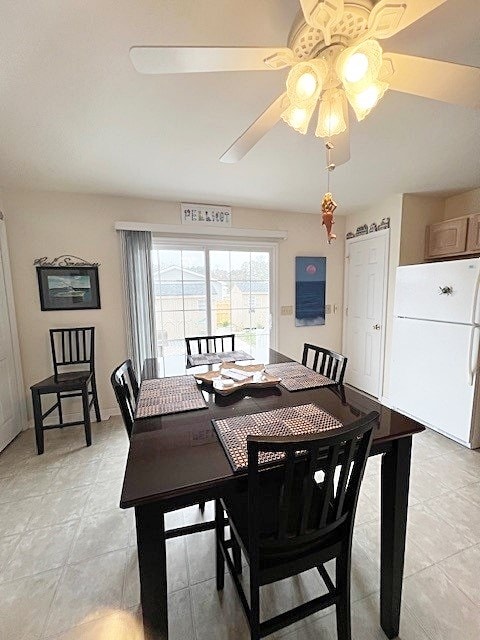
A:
(176, 460)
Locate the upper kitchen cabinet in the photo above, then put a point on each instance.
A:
(449, 238)
(473, 236)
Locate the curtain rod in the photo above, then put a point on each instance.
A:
(191, 230)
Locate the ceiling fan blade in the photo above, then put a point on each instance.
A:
(388, 18)
(322, 14)
(444, 81)
(208, 59)
(256, 131)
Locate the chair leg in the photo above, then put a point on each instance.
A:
(86, 415)
(254, 608)
(96, 406)
(343, 570)
(60, 412)
(219, 539)
(202, 506)
(38, 420)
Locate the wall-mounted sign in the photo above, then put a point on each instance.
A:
(206, 215)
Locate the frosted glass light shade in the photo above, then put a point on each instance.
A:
(364, 101)
(359, 66)
(299, 117)
(305, 81)
(332, 115)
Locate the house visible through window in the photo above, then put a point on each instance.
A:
(210, 290)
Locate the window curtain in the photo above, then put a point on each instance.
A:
(139, 300)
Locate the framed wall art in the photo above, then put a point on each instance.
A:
(68, 288)
(310, 282)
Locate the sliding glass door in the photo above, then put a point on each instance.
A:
(202, 290)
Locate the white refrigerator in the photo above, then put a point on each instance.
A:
(435, 347)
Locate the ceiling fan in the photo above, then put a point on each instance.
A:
(336, 61)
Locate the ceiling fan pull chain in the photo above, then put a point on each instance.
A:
(328, 203)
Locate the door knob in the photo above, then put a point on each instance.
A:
(376, 327)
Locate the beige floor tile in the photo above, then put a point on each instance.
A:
(463, 569)
(24, 605)
(7, 548)
(440, 608)
(433, 535)
(193, 514)
(101, 533)
(115, 624)
(103, 496)
(366, 622)
(40, 550)
(448, 472)
(218, 615)
(201, 556)
(460, 513)
(323, 628)
(368, 508)
(27, 485)
(177, 571)
(14, 516)
(74, 456)
(284, 595)
(112, 468)
(86, 589)
(368, 537)
(423, 486)
(59, 507)
(79, 476)
(471, 493)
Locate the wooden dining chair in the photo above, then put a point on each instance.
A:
(126, 389)
(73, 356)
(210, 344)
(293, 518)
(324, 361)
(125, 385)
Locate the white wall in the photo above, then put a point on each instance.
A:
(392, 208)
(51, 224)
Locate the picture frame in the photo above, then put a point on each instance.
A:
(310, 285)
(68, 288)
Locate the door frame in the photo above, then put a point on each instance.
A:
(384, 233)
(17, 363)
(243, 245)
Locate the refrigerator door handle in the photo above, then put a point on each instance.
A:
(473, 353)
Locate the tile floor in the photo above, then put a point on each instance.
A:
(68, 567)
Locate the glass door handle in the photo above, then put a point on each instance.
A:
(376, 327)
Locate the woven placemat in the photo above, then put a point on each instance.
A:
(168, 395)
(213, 358)
(289, 421)
(297, 377)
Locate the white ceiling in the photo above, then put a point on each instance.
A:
(75, 116)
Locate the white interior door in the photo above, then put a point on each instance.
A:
(10, 414)
(366, 269)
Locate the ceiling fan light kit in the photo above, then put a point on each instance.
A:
(335, 57)
(352, 72)
(332, 114)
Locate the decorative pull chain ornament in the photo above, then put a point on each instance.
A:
(328, 203)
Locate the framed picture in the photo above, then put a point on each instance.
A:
(68, 288)
(310, 280)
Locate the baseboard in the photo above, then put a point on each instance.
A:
(385, 400)
(105, 413)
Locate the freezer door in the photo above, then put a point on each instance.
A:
(430, 375)
(418, 291)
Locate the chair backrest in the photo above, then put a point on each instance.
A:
(73, 347)
(125, 386)
(296, 504)
(210, 344)
(328, 363)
